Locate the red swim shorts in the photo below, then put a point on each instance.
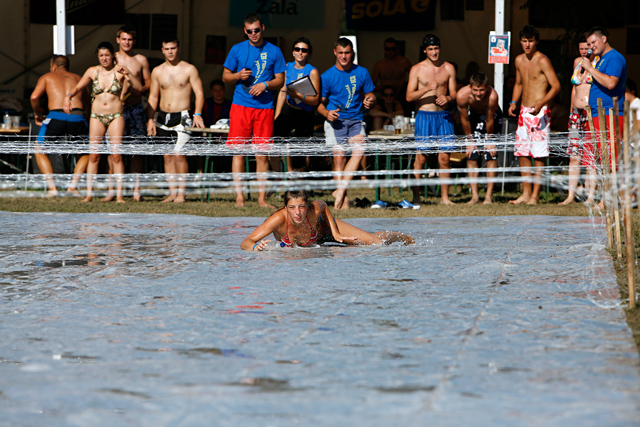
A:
(250, 125)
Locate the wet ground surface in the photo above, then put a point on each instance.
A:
(162, 320)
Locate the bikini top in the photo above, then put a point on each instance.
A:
(575, 79)
(114, 89)
(286, 243)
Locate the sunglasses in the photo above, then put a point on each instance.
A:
(254, 31)
(300, 49)
(388, 94)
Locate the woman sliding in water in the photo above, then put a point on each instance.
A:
(304, 223)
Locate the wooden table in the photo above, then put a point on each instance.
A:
(22, 130)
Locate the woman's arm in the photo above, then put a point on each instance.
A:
(84, 82)
(254, 241)
(130, 80)
(282, 98)
(377, 112)
(315, 80)
(323, 209)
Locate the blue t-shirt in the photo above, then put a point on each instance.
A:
(265, 62)
(612, 63)
(294, 74)
(346, 90)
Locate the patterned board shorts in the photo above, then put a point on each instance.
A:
(532, 135)
(578, 124)
(135, 120)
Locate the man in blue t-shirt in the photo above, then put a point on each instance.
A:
(255, 67)
(346, 88)
(609, 80)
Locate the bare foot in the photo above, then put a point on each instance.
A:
(51, 193)
(487, 202)
(519, 200)
(120, 200)
(532, 201)
(137, 197)
(179, 199)
(566, 201)
(108, 198)
(590, 200)
(266, 205)
(239, 204)
(446, 202)
(73, 192)
(339, 199)
(169, 199)
(87, 199)
(473, 201)
(345, 204)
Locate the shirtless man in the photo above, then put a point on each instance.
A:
(56, 84)
(536, 81)
(393, 69)
(173, 82)
(429, 81)
(133, 110)
(484, 117)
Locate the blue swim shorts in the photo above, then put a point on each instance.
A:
(433, 127)
(62, 127)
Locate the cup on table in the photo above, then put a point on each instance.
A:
(398, 123)
(15, 122)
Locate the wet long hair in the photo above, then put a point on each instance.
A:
(295, 194)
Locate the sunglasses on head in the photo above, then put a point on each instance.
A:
(254, 31)
(300, 49)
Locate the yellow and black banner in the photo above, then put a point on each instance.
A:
(391, 15)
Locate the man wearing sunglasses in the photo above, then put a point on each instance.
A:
(393, 69)
(346, 88)
(255, 67)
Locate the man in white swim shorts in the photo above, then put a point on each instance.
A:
(534, 74)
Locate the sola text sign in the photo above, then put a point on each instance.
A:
(391, 15)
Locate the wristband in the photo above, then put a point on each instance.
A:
(254, 246)
(69, 95)
(266, 86)
(512, 102)
(197, 114)
(304, 97)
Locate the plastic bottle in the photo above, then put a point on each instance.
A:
(6, 123)
(412, 121)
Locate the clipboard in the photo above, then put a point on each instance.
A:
(304, 86)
